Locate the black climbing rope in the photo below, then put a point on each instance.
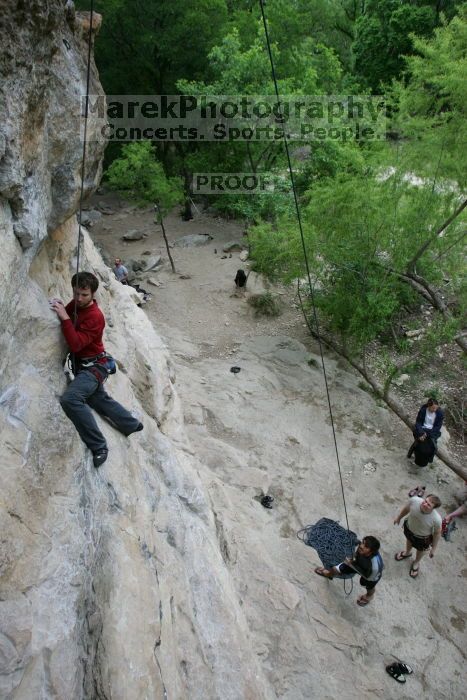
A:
(332, 541)
(305, 256)
(83, 162)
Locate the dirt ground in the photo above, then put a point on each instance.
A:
(267, 430)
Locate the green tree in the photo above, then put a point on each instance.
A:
(388, 234)
(383, 36)
(236, 70)
(431, 108)
(144, 46)
(139, 176)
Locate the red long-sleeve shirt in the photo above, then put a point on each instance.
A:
(85, 337)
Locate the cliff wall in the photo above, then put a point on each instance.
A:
(112, 584)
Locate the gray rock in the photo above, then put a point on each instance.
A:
(105, 208)
(243, 255)
(134, 265)
(151, 263)
(133, 235)
(231, 246)
(89, 217)
(402, 379)
(192, 240)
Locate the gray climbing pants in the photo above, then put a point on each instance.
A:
(86, 392)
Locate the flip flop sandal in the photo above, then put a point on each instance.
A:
(394, 672)
(403, 668)
(417, 491)
(362, 602)
(400, 556)
(414, 571)
(319, 570)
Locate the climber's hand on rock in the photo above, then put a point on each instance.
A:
(57, 306)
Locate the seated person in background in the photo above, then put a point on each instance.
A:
(240, 279)
(427, 425)
(366, 561)
(120, 271)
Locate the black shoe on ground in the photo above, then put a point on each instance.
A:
(99, 457)
(266, 501)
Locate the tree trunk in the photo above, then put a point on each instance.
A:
(161, 221)
(393, 404)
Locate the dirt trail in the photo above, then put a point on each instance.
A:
(267, 430)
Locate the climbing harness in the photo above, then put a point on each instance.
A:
(75, 364)
(317, 334)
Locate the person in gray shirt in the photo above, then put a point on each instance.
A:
(120, 271)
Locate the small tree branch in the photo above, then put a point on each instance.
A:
(431, 295)
(161, 222)
(411, 264)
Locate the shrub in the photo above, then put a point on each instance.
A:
(265, 304)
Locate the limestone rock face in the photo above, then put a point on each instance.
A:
(112, 582)
(42, 81)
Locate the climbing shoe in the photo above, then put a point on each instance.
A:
(139, 427)
(99, 457)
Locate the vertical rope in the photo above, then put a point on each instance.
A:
(83, 162)
(305, 256)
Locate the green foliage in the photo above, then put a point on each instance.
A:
(269, 205)
(140, 176)
(144, 47)
(432, 105)
(265, 304)
(384, 34)
(360, 231)
(276, 250)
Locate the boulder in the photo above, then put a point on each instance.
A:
(256, 283)
(135, 265)
(232, 245)
(133, 235)
(105, 208)
(192, 240)
(402, 379)
(151, 262)
(243, 255)
(89, 217)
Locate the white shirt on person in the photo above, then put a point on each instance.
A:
(429, 421)
(422, 524)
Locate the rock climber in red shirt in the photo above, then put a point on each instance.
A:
(83, 325)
